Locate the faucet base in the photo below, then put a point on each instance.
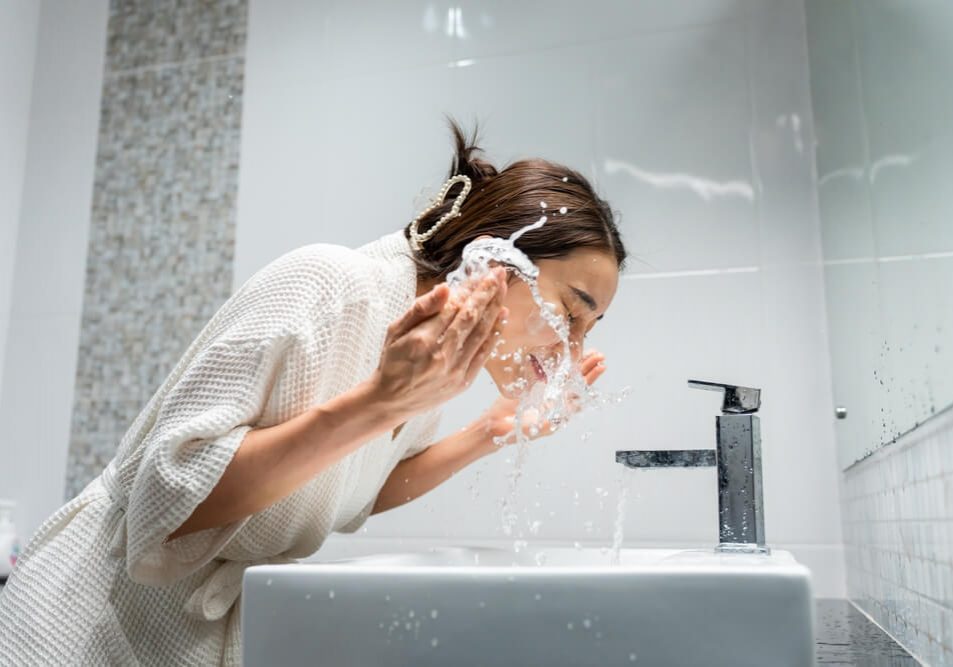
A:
(742, 548)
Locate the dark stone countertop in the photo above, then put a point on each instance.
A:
(844, 636)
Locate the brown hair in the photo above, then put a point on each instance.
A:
(503, 202)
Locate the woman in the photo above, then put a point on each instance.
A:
(307, 403)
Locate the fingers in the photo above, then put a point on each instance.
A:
(482, 333)
(426, 306)
(594, 374)
(483, 352)
(590, 365)
(471, 311)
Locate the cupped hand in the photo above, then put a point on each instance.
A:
(437, 348)
(500, 418)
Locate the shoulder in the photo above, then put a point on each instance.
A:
(317, 263)
(299, 288)
(322, 270)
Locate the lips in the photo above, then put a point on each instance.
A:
(540, 373)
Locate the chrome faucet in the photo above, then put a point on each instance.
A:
(737, 458)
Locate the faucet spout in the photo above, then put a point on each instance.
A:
(737, 459)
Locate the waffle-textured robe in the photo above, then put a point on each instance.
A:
(96, 585)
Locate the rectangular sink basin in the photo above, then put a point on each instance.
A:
(536, 607)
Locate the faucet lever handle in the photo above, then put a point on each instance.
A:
(737, 400)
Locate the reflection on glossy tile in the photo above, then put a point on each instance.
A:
(494, 27)
(679, 170)
(844, 636)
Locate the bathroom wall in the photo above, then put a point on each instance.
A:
(693, 119)
(52, 227)
(18, 34)
(883, 103)
(163, 210)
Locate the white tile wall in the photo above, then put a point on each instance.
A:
(18, 35)
(48, 275)
(883, 100)
(692, 118)
(898, 534)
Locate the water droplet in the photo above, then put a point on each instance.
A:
(563, 209)
(569, 625)
(268, 583)
(433, 613)
(542, 204)
(331, 594)
(434, 642)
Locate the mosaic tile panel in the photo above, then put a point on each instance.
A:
(898, 533)
(153, 32)
(161, 241)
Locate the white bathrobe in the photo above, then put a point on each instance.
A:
(96, 585)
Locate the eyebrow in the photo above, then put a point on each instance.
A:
(587, 298)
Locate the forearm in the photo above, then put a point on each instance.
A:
(413, 477)
(273, 462)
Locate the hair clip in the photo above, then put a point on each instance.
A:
(417, 239)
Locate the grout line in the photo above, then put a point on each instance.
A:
(894, 584)
(115, 74)
(694, 272)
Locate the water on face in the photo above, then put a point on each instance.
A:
(541, 405)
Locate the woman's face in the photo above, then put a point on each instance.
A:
(580, 286)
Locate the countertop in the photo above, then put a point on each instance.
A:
(844, 636)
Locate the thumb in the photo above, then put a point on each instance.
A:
(425, 306)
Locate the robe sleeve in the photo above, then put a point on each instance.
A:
(201, 422)
(216, 399)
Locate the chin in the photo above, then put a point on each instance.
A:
(511, 393)
(499, 385)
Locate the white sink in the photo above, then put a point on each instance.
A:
(548, 607)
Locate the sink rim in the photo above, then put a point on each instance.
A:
(709, 562)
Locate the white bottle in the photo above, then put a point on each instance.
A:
(9, 544)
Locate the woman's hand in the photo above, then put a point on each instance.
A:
(500, 418)
(436, 349)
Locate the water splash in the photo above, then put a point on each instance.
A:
(545, 403)
(617, 532)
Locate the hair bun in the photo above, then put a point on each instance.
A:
(464, 161)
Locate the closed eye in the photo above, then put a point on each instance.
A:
(569, 315)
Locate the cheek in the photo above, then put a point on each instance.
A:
(525, 325)
(527, 330)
